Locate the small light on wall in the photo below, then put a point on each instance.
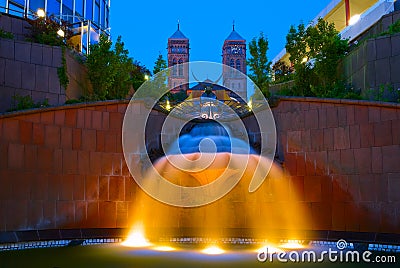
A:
(61, 33)
(40, 13)
(353, 20)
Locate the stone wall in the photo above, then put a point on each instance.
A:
(375, 64)
(30, 69)
(64, 168)
(15, 25)
(345, 155)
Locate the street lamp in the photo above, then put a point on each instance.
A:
(61, 33)
(146, 77)
(40, 13)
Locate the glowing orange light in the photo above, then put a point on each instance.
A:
(164, 248)
(213, 250)
(292, 244)
(269, 249)
(136, 238)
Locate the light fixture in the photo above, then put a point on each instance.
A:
(40, 13)
(168, 105)
(213, 250)
(353, 20)
(146, 77)
(61, 33)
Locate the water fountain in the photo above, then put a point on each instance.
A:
(206, 150)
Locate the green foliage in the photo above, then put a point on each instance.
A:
(393, 29)
(73, 101)
(62, 71)
(26, 102)
(138, 73)
(160, 64)
(315, 53)
(385, 92)
(44, 31)
(259, 65)
(296, 44)
(282, 72)
(111, 71)
(6, 35)
(158, 84)
(175, 97)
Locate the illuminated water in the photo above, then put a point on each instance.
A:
(270, 211)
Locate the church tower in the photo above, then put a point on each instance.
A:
(234, 55)
(178, 53)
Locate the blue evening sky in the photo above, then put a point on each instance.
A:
(146, 25)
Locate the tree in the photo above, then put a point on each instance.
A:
(296, 44)
(259, 65)
(327, 48)
(160, 64)
(101, 68)
(124, 67)
(111, 71)
(315, 53)
(281, 71)
(138, 73)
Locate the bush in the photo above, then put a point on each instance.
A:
(44, 31)
(6, 35)
(26, 102)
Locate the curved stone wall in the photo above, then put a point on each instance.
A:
(63, 167)
(345, 155)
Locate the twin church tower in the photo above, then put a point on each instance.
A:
(233, 55)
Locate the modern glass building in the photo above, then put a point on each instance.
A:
(87, 18)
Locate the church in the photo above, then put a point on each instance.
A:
(233, 55)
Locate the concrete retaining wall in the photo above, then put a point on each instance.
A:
(30, 69)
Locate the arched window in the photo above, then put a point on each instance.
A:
(180, 67)
(238, 65)
(174, 66)
(231, 64)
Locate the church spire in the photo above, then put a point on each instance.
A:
(178, 24)
(233, 25)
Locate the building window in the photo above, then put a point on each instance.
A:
(67, 10)
(34, 5)
(16, 7)
(102, 14)
(174, 71)
(238, 65)
(180, 67)
(96, 17)
(89, 10)
(79, 8)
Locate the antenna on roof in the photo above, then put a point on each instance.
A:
(178, 24)
(233, 25)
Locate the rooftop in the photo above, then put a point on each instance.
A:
(234, 36)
